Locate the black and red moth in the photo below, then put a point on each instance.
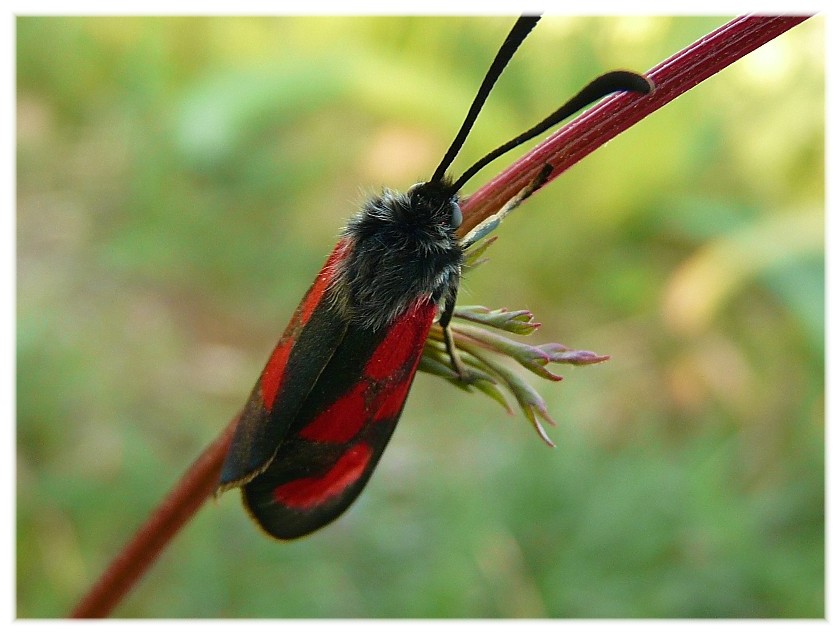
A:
(333, 390)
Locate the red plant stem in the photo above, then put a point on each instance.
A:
(182, 502)
(563, 149)
(618, 112)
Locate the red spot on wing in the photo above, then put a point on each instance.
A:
(392, 403)
(400, 354)
(342, 420)
(383, 386)
(272, 376)
(305, 493)
(402, 344)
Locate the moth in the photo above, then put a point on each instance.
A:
(329, 398)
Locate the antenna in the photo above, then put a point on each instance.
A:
(619, 80)
(523, 26)
(599, 87)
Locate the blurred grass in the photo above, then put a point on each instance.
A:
(179, 183)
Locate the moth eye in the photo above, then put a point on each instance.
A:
(456, 218)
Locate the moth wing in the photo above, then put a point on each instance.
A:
(342, 429)
(309, 342)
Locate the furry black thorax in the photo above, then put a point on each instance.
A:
(402, 249)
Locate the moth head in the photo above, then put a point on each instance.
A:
(437, 200)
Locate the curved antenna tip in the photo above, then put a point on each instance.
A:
(601, 86)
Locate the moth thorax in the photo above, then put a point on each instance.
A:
(402, 250)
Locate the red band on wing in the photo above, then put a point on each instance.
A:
(272, 376)
(306, 493)
(313, 297)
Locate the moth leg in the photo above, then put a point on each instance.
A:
(464, 375)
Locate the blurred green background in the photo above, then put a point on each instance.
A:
(179, 184)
